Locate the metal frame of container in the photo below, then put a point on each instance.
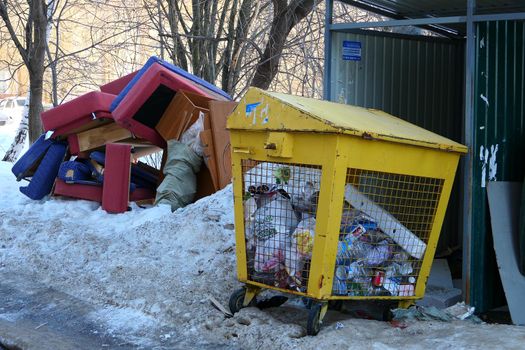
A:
(473, 283)
(337, 139)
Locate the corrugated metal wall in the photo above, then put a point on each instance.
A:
(419, 79)
(499, 139)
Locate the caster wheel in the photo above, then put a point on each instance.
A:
(274, 301)
(314, 320)
(307, 302)
(237, 300)
(388, 315)
(336, 305)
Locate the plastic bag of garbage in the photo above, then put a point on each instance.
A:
(180, 182)
(276, 216)
(191, 136)
(270, 253)
(303, 237)
(302, 242)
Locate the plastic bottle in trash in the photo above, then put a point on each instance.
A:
(343, 256)
(341, 277)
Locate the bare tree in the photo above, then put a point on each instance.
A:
(110, 31)
(230, 42)
(31, 45)
(215, 40)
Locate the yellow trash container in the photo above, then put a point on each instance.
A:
(335, 202)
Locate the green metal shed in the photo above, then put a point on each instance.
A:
(466, 82)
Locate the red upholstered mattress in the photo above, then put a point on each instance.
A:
(144, 104)
(117, 171)
(74, 114)
(94, 193)
(116, 86)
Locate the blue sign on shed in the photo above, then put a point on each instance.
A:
(351, 50)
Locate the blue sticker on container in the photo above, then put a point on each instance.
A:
(351, 50)
(251, 107)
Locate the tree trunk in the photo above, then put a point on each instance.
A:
(35, 105)
(37, 33)
(36, 69)
(285, 18)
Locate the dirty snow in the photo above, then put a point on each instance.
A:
(149, 269)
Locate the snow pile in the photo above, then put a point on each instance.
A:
(150, 271)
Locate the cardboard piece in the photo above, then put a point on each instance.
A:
(216, 140)
(209, 157)
(504, 204)
(95, 138)
(117, 172)
(182, 112)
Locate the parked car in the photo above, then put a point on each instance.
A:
(11, 109)
(4, 118)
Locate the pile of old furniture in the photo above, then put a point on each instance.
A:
(92, 145)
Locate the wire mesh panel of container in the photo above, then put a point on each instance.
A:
(280, 206)
(385, 227)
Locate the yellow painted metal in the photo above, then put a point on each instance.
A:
(263, 110)
(251, 292)
(328, 221)
(324, 310)
(238, 208)
(405, 304)
(279, 144)
(283, 123)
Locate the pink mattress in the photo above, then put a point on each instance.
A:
(117, 172)
(74, 114)
(116, 86)
(144, 104)
(94, 193)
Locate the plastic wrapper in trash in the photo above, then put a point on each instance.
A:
(350, 218)
(270, 253)
(250, 207)
(180, 182)
(191, 136)
(302, 242)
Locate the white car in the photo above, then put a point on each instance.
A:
(11, 109)
(4, 118)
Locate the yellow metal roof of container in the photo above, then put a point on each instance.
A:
(264, 110)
